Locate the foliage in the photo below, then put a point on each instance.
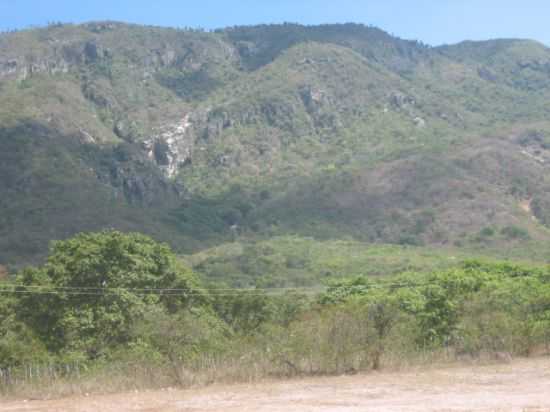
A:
(331, 132)
(18, 343)
(293, 261)
(477, 308)
(514, 232)
(332, 152)
(94, 288)
(444, 303)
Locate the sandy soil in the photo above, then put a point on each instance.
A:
(522, 385)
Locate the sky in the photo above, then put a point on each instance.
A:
(433, 22)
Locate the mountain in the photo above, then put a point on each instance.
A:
(243, 134)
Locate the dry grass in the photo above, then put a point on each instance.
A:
(518, 386)
(120, 377)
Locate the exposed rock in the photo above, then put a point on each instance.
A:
(218, 120)
(60, 60)
(535, 146)
(314, 98)
(534, 64)
(91, 52)
(127, 170)
(419, 122)
(126, 130)
(320, 106)
(120, 129)
(399, 100)
(167, 57)
(98, 27)
(22, 69)
(532, 138)
(534, 156)
(171, 147)
(247, 48)
(8, 67)
(86, 137)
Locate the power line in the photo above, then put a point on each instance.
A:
(28, 292)
(32, 289)
(93, 288)
(160, 294)
(105, 291)
(42, 290)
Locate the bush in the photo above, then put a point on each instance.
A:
(357, 324)
(515, 232)
(487, 231)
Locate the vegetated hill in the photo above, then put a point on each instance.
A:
(330, 132)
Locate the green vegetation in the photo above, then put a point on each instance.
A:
(110, 304)
(101, 284)
(295, 261)
(331, 132)
(331, 157)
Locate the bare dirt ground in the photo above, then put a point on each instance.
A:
(523, 385)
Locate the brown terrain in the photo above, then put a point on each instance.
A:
(3, 272)
(522, 385)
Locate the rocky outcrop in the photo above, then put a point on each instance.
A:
(130, 175)
(8, 67)
(61, 58)
(21, 68)
(419, 122)
(400, 100)
(171, 147)
(320, 106)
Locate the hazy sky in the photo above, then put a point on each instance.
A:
(432, 21)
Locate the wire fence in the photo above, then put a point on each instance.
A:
(38, 374)
(78, 377)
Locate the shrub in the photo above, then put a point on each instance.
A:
(515, 232)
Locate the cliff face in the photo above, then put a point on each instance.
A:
(327, 131)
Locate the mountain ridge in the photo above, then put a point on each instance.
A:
(327, 131)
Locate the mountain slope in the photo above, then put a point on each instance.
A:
(330, 131)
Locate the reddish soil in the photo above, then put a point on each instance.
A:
(523, 385)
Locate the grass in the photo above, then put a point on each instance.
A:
(294, 261)
(252, 368)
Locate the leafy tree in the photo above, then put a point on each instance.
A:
(18, 343)
(95, 286)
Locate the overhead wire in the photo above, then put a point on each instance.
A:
(19, 288)
(100, 291)
(44, 290)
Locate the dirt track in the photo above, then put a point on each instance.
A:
(520, 386)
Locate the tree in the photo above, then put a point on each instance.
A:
(18, 343)
(95, 286)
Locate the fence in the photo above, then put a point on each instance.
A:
(38, 374)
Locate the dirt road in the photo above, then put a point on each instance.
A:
(522, 385)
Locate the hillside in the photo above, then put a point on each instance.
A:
(252, 134)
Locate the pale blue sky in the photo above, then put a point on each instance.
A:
(431, 21)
